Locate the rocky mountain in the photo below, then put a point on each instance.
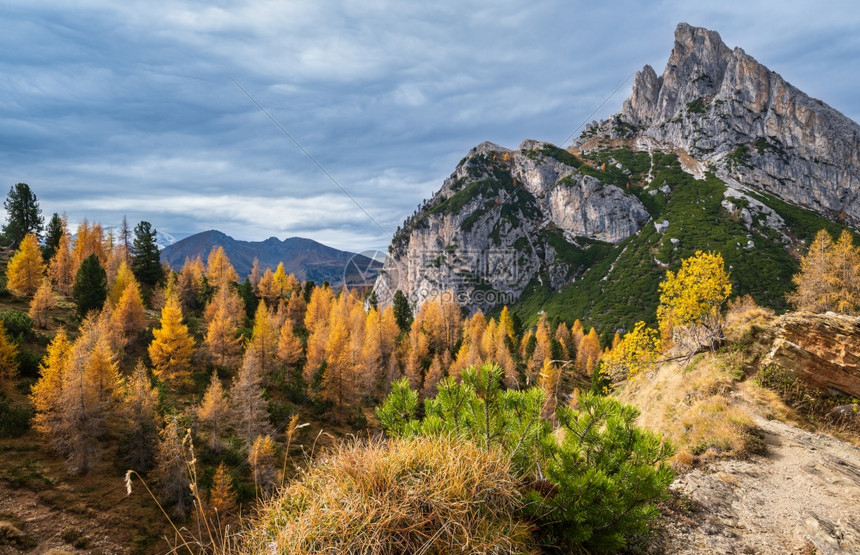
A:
(718, 153)
(724, 108)
(305, 258)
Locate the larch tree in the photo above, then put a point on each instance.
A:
(549, 380)
(435, 374)
(172, 346)
(222, 342)
(267, 288)
(219, 271)
(339, 377)
(123, 277)
(190, 282)
(88, 396)
(170, 475)
(23, 215)
(248, 407)
(61, 268)
(222, 495)
(47, 393)
(829, 276)
(256, 273)
(261, 458)
(846, 266)
(43, 301)
(542, 351)
(8, 360)
(213, 414)
(26, 269)
(129, 316)
(290, 350)
(261, 349)
(588, 352)
(141, 422)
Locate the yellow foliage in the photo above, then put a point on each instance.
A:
(691, 300)
(172, 346)
(829, 276)
(42, 302)
(25, 270)
(62, 266)
(8, 360)
(634, 354)
(219, 270)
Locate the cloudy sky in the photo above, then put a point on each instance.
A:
(130, 107)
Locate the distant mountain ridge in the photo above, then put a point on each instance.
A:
(305, 258)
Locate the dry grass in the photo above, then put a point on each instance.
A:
(421, 495)
(693, 406)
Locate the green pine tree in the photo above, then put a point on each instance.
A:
(90, 290)
(53, 236)
(23, 215)
(402, 311)
(145, 258)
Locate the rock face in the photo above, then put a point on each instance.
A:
(821, 349)
(723, 107)
(503, 218)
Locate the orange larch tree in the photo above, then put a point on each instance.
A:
(172, 346)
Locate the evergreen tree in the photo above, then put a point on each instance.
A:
(402, 311)
(23, 215)
(146, 261)
(90, 290)
(53, 234)
(125, 239)
(25, 270)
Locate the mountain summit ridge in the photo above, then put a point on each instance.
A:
(725, 108)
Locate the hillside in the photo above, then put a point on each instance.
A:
(717, 154)
(304, 258)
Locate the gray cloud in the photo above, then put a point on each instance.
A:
(112, 108)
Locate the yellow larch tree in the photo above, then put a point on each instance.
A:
(846, 267)
(25, 270)
(339, 375)
(43, 301)
(222, 496)
(256, 274)
(290, 349)
(129, 316)
(261, 349)
(267, 289)
(189, 283)
(171, 349)
(213, 414)
(61, 268)
(219, 271)
(8, 360)
(549, 380)
(139, 408)
(261, 458)
(123, 277)
(588, 352)
(542, 351)
(46, 393)
(565, 341)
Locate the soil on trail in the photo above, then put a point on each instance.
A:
(800, 497)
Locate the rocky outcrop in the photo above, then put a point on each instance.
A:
(823, 350)
(725, 108)
(502, 219)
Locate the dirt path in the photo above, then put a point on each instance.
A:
(800, 497)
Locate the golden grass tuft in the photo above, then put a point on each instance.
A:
(694, 407)
(419, 495)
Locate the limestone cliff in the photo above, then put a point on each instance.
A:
(724, 108)
(502, 219)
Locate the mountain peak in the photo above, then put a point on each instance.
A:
(725, 109)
